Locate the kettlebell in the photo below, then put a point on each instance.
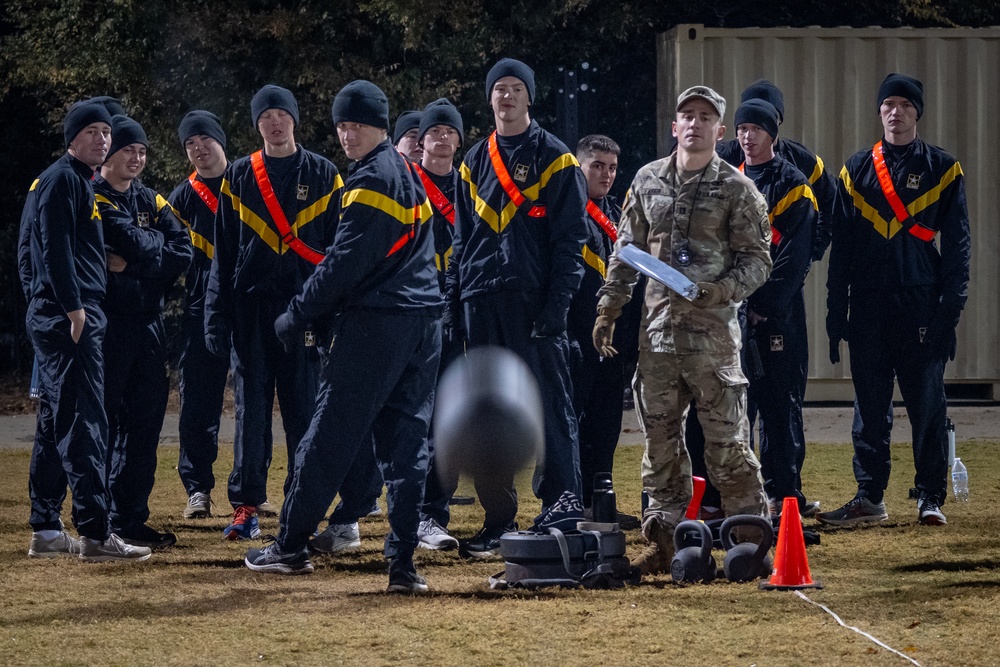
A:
(746, 561)
(694, 563)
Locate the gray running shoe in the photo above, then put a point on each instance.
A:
(63, 544)
(337, 537)
(930, 514)
(199, 506)
(404, 580)
(857, 510)
(432, 535)
(272, 559)
(112, 549)
(267, 509)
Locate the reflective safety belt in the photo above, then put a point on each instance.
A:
(211, 201)
(280, 221)
(437, 197)
(775, 234)
(885, 180)
(507, 184)
(405, 238)
(602, 220)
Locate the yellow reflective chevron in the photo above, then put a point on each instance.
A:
(499, 222)
(253, 221)
(310, 213)
(101, 199)
(34, 184)
(891, 228)
(387, 205)
(442, 262)
(197, 240)
(794, 195)
(817, 170)
(594, 260)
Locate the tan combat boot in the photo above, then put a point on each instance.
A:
(659, 551)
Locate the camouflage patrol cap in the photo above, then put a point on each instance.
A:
(717, 101)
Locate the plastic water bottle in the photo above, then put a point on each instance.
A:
(960, 481)
(949, 427)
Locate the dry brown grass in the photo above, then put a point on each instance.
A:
(930, 593)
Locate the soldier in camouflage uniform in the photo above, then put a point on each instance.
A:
(707, 220)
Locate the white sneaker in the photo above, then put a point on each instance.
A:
(267, 509)
(337, 537)
(432, 535)
(63, 544)
(112, 549)
(199, 506)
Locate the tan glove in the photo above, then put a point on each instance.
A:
(710, 295)
(604, 331)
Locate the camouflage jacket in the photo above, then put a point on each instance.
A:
(728, 237)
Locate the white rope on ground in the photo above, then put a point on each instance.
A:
(858, 630)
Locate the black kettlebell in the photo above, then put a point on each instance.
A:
(694, 563)
(746, 561)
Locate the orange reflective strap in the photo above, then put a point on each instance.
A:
(507, 184)
(437, 197)
(889, 191)
(211, 201)
(602, 220)
(412, 233)
(278, 215)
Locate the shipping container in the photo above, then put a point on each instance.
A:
(830, 79)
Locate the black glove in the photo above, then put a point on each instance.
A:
(836, 329)
(219, 341)
(551, 321)
(940, 337)
(287, 331)
(451, 321)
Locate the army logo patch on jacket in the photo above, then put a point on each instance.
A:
(913, 182)
(521, 172)
(142, 219)
(302, 192)
(777, 343)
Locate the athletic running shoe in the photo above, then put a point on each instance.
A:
(144, 536)
(272, 559)
(244, 525)
(337, 537)
(199, 506)
(857, 510)
(376, 509)
(432, 535)
(485, 543)
(266, 509)
(62, 544)
(404, 580)
(929, 513)
(112, 549)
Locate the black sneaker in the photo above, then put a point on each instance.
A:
(930, 514)
(144, 536)
(272, 559)
(404, 580)
(485, 543)
(856, 510)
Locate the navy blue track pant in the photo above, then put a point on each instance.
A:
(377, 381)
(202, 388)
(506, 319)
(437, 491)
(884, 339)
(261, 367)
(136, 386)
(72, 429)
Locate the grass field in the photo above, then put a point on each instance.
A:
(930, 593)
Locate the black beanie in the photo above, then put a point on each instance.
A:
(902, 86)
(441, 112)
(273, 97)
(125, 132)
(406, 121)
(201, 122)
(515, 68)
(112, 104)
(762, 89)
(362, 102)
(759, 112)
(81, 115)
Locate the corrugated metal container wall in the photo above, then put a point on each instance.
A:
(830, 79)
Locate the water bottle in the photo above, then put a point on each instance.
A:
(960, 481)
(949, 427)
(604, 504)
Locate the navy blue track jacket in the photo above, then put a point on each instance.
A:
(199, 220)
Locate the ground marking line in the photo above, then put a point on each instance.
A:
(858, 630)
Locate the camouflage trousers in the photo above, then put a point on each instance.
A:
(664, 386)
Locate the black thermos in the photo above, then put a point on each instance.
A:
(604, 505)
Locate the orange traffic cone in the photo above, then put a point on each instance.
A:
(791, 566)
(698, 486)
